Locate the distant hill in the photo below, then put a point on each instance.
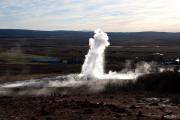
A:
(15, 33)
(78, 37)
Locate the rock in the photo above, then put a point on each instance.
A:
(168, 112)
(115, 108)
(165, 100)
(44, 111)
(33, 118)
(134, 107)
(88, 111)
(151, 100)
(154, 104)
(101, 103)
(169, 117)
(140, 114)
(162, 108)
(111, 97)
(117, 116)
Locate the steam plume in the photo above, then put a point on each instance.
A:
(93, 66)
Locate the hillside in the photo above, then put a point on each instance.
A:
(81, 37)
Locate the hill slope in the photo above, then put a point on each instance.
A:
(83, 36)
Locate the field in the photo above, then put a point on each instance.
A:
(132, 101)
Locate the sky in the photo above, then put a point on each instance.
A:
(109, 15)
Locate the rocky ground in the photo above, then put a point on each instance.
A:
(122, 106)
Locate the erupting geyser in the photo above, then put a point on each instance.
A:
(92, 69)
(93, 66)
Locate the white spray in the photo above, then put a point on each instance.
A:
(93, 66)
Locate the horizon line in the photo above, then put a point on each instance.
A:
(84, 30)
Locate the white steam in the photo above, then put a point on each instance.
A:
(93, 66)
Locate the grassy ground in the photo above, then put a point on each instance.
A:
(18, 58)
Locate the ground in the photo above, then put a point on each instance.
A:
(96, 106)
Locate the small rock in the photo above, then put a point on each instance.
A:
(33, 118)
(150, 100)
(154, 104)
(162, 108)
(134, 107)
(111, 97)
(165, 100)
(169, 117)
(169, 113)
(88, 111)
(117, 116)
(115, 108)
(140, 114)
(101, 103)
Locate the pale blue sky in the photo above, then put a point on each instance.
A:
(110, 15)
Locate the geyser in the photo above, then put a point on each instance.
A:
(93, 66)
(92, 69)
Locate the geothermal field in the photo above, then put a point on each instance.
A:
(92, 82)
(92, 72)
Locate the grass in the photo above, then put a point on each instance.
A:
(17, 58)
